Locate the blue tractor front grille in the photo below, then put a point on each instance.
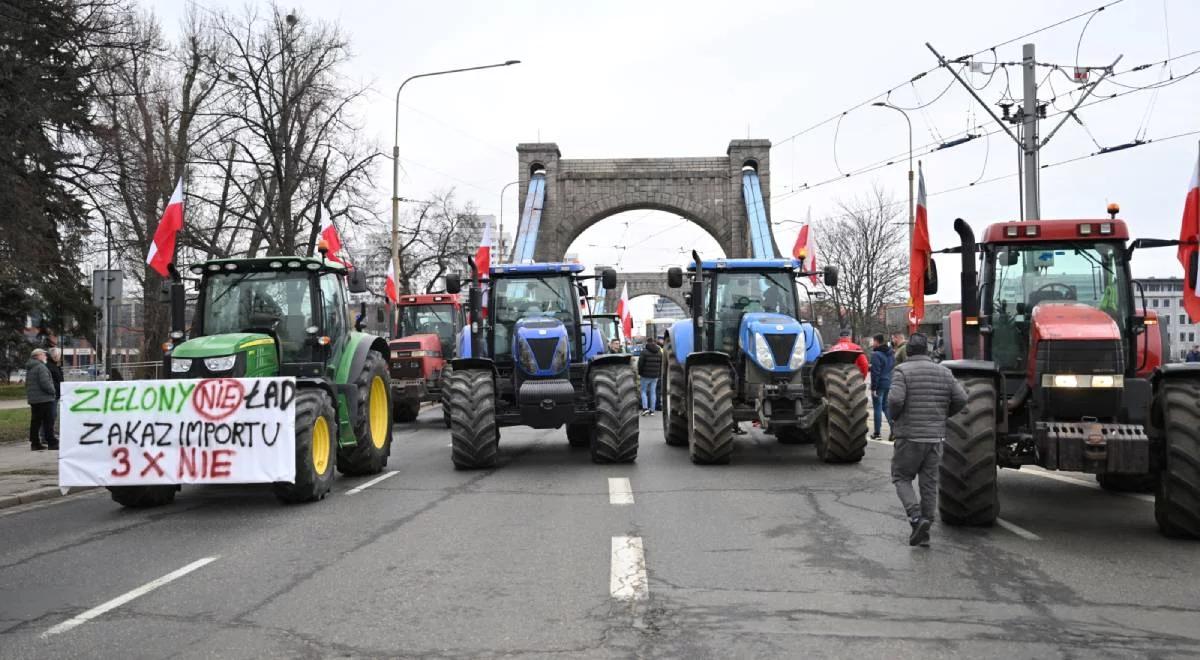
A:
(781, 346)
(543, 350)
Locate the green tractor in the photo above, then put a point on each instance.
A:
(288, 316)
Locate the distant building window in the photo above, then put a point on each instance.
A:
(1154, 302)
(1167, 320)
(1182, 319)
(1191, 336)
(1183, 336)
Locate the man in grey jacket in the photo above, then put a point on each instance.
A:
(922, 396)
(40, 393)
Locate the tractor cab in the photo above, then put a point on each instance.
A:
(609, 327)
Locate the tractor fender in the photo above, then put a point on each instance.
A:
(832, 356)
(474, 363)
(680, 335)
(324, 385)
(985, 369)
(1160, 376)
(709, 357)
(351, 363)
(604, 360)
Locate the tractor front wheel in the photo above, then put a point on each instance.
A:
(615, 435)
(474, 438)
(674, 386)
(143, 497)
(843, 433)
(1177, 500)
(316, 456)
(967, 493)
(710, 414)
(579, 435)
(372, 424)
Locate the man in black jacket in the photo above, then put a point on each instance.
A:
(649, 366)
(39, 392)
(922, 396)
(54, 364)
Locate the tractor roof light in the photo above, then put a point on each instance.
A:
(1085, 229)
(276, 264)
(1106, 228)
(214, 267)
(230, 266)
(197, 270)
(312, 265)
(1011, 231)
(293, 264)
(1032, 230)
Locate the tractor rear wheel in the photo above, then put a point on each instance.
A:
(372, 424)
(474, 438)
(446, 371)
(1128, 483)
(674, 386)
(843, 435)
(710, 414)
(1177, 501)
(316, 456)
(405, 410)
(968, 494)
(579, 435)
(143, 497)
(792, 435)
(614, 438)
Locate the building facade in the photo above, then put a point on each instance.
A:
(1165, 296)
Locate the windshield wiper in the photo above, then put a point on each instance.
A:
(231, 288)
(1090, 257)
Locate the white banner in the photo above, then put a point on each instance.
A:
(212, 431)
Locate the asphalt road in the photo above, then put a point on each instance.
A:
(776, 555)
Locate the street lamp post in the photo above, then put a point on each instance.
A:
(911, 213)
(396, 154)
(500, 229)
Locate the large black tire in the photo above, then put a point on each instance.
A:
(673, 388)
(1177, 500)
(405, 410)
(373, 424)
(474, 440)
(968, 494)
(710, 414)
(580, 435)
(143, 497)
(446, 371)
(316, 453)
(615, 435)
(1128, 483)
(792, 435)
(843, 432)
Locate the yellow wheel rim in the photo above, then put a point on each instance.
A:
(320, 445)
(378, 410)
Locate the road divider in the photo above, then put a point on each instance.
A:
(619, 491)
(113, 604)
(386, 475)
(1018, 530)
(628, 580)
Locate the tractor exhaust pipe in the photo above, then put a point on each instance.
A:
(970, 291)
(698, 338)
(474, 308)
(178, 304)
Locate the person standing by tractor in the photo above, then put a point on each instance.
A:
(923, 394)
(54, 364)
(1193, 355)
(649, 366)
(899, 347)
(39, 392)
(844, 343)
(882, 362)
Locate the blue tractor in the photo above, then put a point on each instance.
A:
(744, 355)
(532, 360)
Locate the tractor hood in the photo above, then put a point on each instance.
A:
(219, 345)
(422, 342)
(540, 346)
(1073, 321)
(774, 342)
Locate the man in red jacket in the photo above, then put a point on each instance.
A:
(844, 344)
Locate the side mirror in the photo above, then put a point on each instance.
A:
(931, 279)
(831, 276)
(583, 290)
(675, 277)
(453, 283)
(1009, 257)
(609, 279)
(356, 281)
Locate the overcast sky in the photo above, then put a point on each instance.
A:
(645, 79)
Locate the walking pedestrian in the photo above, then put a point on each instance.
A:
(1193, 355)
(39, 392)
(844, 343)
(882, 362)
(899, 347)
(922, 396)
(649, 366)
(54, 364)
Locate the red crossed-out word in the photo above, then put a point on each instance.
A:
(217, 398)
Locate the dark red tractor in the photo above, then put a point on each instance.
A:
(1064, 369)
(426, 328)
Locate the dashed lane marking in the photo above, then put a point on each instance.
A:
(386, 475)
(1039, 472)
(628, 581)
(113, 604)
(619, 491)
(1018, 530)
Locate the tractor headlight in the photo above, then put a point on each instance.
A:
(1103, 381)
(180, 365)
(1066, 380)
(220, 363)
(798, 351)
(525, 358)
(560, 357)
(1073, 380)
(762, 352)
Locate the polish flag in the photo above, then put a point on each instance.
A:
(1189, 232)
(920, 257)
(624, 313)
(806, 247)
(483, 254)
(333, 241)
(390, 289)
(162, 249)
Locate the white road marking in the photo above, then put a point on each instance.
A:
(1039, 472)
(628, 581)
(619, 491)
(879, 442)
(386, 475)
(126, 597)
(1019, 531)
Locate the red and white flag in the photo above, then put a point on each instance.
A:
(1189, 232)
(162, 249)
(624, 313)
(483, 254)
(390, 289)
(920, 257)
(333, 241)
(806, 247)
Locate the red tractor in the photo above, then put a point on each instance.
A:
(1064, 369)
(426, 327)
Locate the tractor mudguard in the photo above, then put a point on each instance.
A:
(1188, 369)
(680, 335)
(474, 363)
(834, 356)
(985, 369)
(349, 364)
(603, 360)
(707, 357)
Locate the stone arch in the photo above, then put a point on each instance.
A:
(644, 284)
(580, 219)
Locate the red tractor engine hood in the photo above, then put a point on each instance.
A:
(1067, 321)
(424, 342)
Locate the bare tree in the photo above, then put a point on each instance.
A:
(868, 244)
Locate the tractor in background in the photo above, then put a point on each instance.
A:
(1064, 368)
(426, 327)
(287, 316)
(746, 355)
(532, 361)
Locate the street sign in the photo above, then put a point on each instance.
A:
(106, 286)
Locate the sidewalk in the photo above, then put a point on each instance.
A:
(27, 476)
(12, 404)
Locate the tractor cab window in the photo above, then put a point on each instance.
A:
(739, 293)
(333, 305)
(608, 326)
(516, 298)
(276, 301)
(1092, 274)
(429, 320)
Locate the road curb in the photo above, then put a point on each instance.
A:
(30, 496)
